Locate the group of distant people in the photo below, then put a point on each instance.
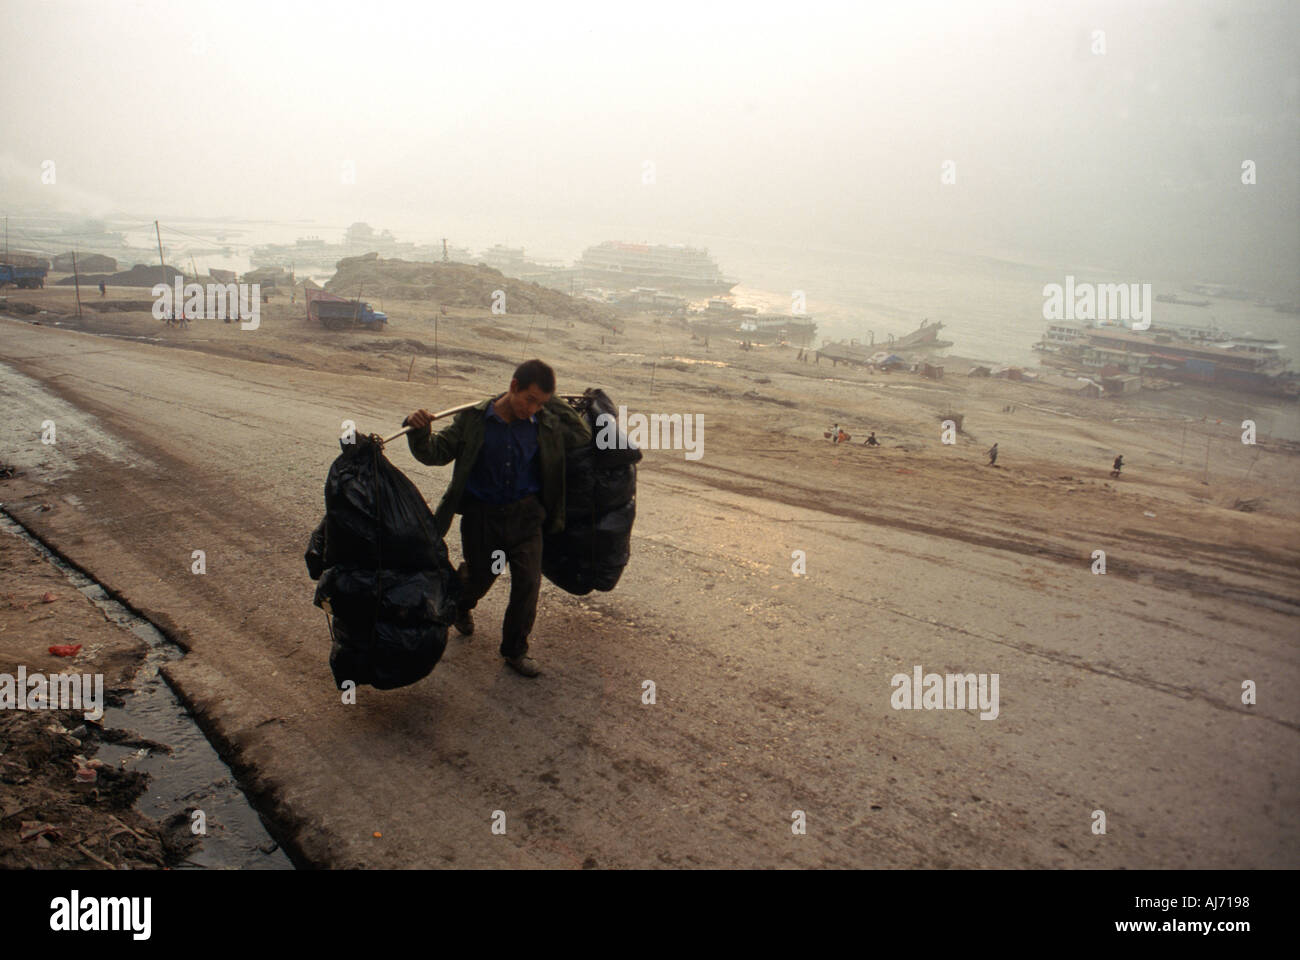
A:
(1115, 467)
(838, 435)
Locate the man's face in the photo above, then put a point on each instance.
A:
(525, 403)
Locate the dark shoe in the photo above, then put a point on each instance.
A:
(464, 624)
(524, 666)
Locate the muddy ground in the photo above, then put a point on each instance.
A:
(1120, 692)
(61, 807)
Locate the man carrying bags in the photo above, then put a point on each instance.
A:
(508, 485)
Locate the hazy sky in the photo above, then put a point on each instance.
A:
(817, 125)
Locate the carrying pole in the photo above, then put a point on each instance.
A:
(437, 416)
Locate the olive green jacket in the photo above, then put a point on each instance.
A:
(559, 429)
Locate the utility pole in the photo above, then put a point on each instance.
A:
(76, 283)
(1253, 462)
(445, 258)
(158, 234)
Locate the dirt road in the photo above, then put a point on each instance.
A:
(1119, 693)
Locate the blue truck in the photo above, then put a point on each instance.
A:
(27, 278)
(336, 313)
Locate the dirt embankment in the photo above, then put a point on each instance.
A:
(140, 275)
(459, 285)
(27, 260)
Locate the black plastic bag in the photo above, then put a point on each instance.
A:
(398, 596)
(599, 507)
(315, 555)
(374, 515)
(385, 655)
(590, 556)
(621, 453)
(385, 577)
(613, 487)
(579, 476)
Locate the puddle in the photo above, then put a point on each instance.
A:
(31, 408)
(707, 363)
(74, 324)
(874, 385)
(192, 775)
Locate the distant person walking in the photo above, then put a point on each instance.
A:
(871, 440)
(103, 289)
(1117, 466)
(835, 433)
(993, 455)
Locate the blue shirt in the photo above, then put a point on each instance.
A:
(508, 468)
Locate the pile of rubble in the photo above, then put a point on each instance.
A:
(458, 285)
(139, 275)
(26, 260)
(86, 263)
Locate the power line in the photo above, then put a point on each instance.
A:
(192, 236)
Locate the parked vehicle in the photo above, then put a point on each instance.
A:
(337, 313)
(27, 278)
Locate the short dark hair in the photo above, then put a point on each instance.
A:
(534, 371)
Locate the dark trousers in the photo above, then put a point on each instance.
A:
(516, 530)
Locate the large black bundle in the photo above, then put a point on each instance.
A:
(385, 578)
(383, 654)
(315, 555)
(590, 554)
(375, 516)
(599, 507)
(407, 597)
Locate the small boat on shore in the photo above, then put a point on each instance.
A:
(925, 337)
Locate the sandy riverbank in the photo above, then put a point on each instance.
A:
(778, 686)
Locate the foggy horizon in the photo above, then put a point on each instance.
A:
(816, 129)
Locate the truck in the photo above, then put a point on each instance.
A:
(337, 313)
(28, 278)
